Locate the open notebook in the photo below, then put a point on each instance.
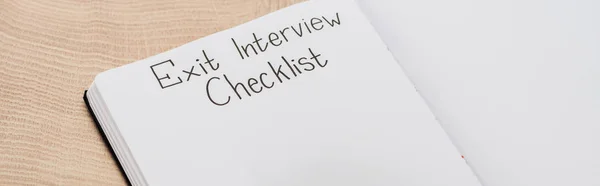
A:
(337, 93)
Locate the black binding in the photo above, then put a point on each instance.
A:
(104, 138)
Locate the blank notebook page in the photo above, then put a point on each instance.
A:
(515, 83)
(353, 119)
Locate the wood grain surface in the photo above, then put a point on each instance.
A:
(50, 52)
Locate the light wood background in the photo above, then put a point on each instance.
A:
(50, 52)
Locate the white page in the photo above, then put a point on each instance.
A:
(355, 121)
(516, 84)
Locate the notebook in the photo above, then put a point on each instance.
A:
(342, 92)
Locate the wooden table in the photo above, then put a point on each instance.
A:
(50, 52)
